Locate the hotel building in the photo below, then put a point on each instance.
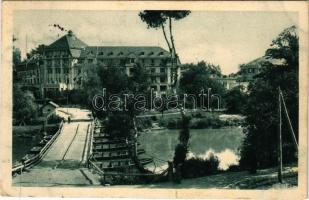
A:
(64, 64)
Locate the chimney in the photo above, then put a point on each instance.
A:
(70, 33)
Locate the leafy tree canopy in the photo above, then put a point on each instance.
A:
(198, 77)
(24, 107)
(157, 18)
(259, 146)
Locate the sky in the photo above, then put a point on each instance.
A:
(224, 38)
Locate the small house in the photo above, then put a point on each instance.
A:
(49, 108)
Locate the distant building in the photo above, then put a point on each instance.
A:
(231, 81)
(251, 69)
(63, 64)
(246, 74)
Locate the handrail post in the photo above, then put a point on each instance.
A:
(279, 151)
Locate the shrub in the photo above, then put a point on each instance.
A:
(143, 123)
(173, 124)
(196, 167)
(198, 115)
(234, 168)
(54, 119)
(153, 118)
(212, 121)
(163, 122)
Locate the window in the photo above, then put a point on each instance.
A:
(132, 60)
(153, 79)
(152, 61)
(101, 53)
(80, 60)
(66, 70)
(154, 88)
(163, 88)
(161, 53)
(65, 62)
(58, 70)
(142, 53)
(131, 71)
(57, 63)
(162, 79)
(153, 70)
(162, 70)
(50, 71)
(49, 63)
(110, 54)
(90, 60)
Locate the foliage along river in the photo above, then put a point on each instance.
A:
(223, 142)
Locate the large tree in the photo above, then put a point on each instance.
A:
(259, 148)
(120, 122)
(235, 99)
(198, 77)
(24, 107)
(160, 19)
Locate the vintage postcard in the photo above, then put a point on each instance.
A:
(154, 99)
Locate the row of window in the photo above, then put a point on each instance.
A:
(162, 87)
(111, 53)
(32, 81)
(251, 70)
(58, 70)
(116, 62)
(162, 80)
(57, 62)
(54, 80)
(56, 54)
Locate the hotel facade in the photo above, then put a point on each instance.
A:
(64, 64)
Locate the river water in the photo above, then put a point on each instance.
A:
(223, 142)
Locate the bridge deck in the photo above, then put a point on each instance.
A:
(64, 160)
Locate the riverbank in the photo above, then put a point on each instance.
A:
(26, 137)
(199, 120)
(263, 179)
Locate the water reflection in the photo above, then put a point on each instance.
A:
(223, 142)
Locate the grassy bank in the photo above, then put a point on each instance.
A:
(199, 120)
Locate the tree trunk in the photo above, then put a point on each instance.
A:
(174, 55)
(167, 42)
(172, 37)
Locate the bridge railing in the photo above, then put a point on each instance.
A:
(35, 159)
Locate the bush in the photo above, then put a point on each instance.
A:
(54, 119)
(234, 168)
(153, 118)
(163, 122)
(197, 167)
(207, 122)
(174, 124)
(198, 115)
(78, 97)
(143, 123)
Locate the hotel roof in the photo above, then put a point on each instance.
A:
(124, 51)
(68, 41)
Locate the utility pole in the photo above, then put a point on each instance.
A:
(289, 122)
(279, 151)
